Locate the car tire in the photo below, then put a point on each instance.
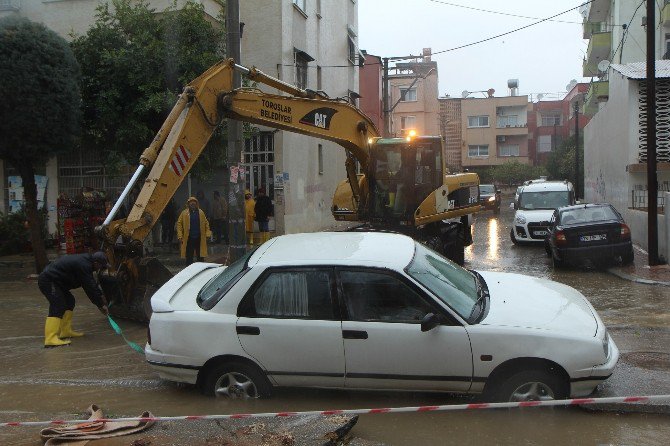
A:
(558, 263)
(236, 380)
(628, 258)
(547, 248)
(512, 237)
(532, 385)
(496, 210)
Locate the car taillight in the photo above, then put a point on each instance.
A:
(625, 231)
(560, 238)
(148, 335)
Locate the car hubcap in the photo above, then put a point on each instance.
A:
(235, 385)
(534, 391)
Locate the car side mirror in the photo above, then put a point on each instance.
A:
(429, 322)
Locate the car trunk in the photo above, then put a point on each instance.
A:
(594, 234)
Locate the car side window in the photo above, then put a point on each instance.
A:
(378, 296)
(291, 294)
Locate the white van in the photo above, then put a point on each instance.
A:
(535, 205)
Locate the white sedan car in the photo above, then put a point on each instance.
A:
(373, 311)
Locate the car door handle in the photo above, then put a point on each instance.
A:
(354, 334)
(245, 330)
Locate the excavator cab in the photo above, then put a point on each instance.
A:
(403, 173)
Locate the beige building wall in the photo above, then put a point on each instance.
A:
(423, 110)
(500, 126)
(273, 32)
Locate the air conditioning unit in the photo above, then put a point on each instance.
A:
(500, 138)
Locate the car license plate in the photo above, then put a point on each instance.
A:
(592, 238)
(540, 232)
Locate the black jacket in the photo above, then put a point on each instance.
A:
(74, 271)
(263, 208)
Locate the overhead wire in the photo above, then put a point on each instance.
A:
(499, 12)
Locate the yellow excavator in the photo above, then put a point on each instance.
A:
(404, 185)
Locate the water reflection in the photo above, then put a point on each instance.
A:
(492, 252)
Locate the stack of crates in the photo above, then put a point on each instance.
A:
(75, 235)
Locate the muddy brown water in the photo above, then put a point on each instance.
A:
(39, 384)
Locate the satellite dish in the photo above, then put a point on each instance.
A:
(540, 96)
(603, 65)
(464, 94)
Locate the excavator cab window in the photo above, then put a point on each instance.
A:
(403, 174)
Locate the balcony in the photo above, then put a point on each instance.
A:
(591, 28)
(600, 47)
(599, 10)
(598, 92)
(665, 15)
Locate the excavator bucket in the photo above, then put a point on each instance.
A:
(129, 291)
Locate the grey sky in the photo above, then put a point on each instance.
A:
(544, 57)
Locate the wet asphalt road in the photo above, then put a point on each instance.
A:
(37, 384)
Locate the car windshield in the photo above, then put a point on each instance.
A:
(487, 189)
(544, 200)
(218, 285)
(588, 214)
(454, 285)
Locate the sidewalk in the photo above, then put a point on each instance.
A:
(640, 271)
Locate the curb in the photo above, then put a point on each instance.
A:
(632, 278)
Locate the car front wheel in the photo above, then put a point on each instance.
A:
(532, 385)
(236, 380)
(513, 237)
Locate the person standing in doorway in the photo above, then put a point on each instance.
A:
(249, 204)
(219, 218)
(192, 232)
(56, 281)
(263, 211)
(168, 220)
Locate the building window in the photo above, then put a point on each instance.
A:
(478, 121)
(551, 120)
(407, 123)
(408, 94)
(301, 4)
(259, 159)
(320, 159)
(478, 151)
(351, 50)
(510, 150)
(301, 70)
(508, 121)
(544, 143)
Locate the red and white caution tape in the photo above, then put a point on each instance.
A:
(451, 407)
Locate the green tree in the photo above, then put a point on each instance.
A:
(561, 163)
(39, 113)
(514, 172)
(134, 64)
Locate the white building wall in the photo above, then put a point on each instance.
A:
(610, 145)
(272, 31)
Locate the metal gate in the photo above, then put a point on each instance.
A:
(259, 162)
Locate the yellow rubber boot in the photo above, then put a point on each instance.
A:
(265, 236)
(66, 330)
(250, 236)
(51, 329)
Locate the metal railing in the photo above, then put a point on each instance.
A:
(640, 194)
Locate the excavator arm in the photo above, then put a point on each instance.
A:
(201, 107)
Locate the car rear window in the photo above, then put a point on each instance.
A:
(588, 214)
(219, 285)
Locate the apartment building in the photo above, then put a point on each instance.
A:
(310, 43)
(494, 130)
(450, 129)
(616, 31)
(413, 92)
(370, 81)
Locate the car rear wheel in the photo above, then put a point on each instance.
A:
(558, 263)
(532, 385)
(236, 380)
(628, 258)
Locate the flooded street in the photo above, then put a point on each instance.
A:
(39, 384)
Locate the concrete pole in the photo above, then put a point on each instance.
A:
(652, 181)
(236, 233)
(577, 150)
